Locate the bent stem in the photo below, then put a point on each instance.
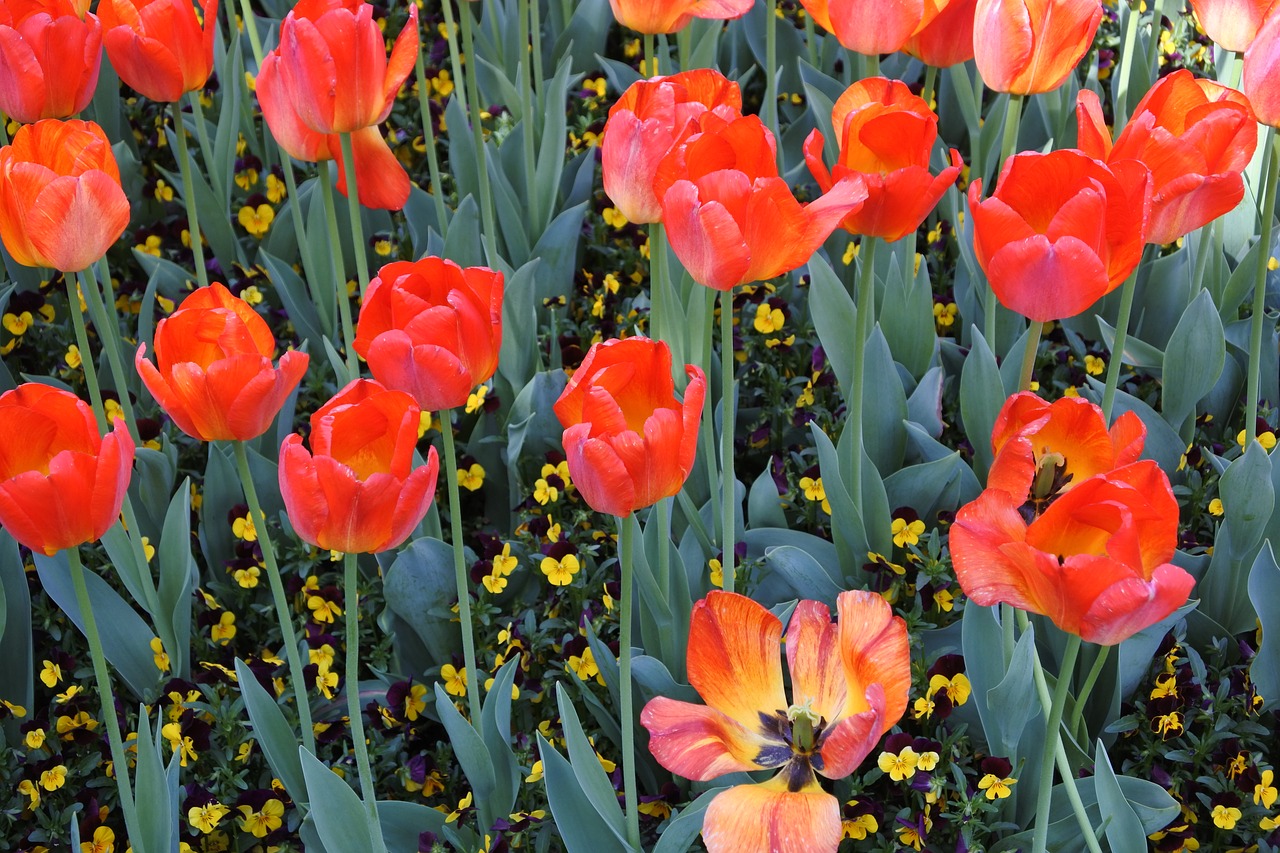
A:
(1260, 291)
(626, 541)
(863, 324)
(771, 67)
(188, 195)
(1117, 346)
(278, 597)
(353, 208)
(472, 681)
(728, 412)
(1052, 742)
(351, 601)
(339, 278)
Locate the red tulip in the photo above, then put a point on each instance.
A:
(652, 17)
(61, 484)
(49, 59)
(730, 218)
(1061, 230)
(652, 117)
(947, 38)
(1070, 525)
(158, 47)
(213, 373)
(1232, 24)
(356, 490)
(629, 441)
(61, 204)
(872, 27)
(886, 137)
(432, 329)
(1261, 67)
(1030, 46)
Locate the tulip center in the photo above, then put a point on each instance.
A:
(796, 734)
(1050, 479)
(806, 725)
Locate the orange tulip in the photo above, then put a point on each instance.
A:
(849, 685)
(730, 218)
(334, 64)
(1070, 525)
(213, 373)
(61, 484)
(432, 329)
(1261, 67)
(159, 47)
(629, 441)
(1232, 24)
(1061, 230)
(356, 491)
(872, 27)
(1030, 46)
(652, 17)
(947, 37)
(61, 205)
(886, 137)
(652, 117)
(49, 59)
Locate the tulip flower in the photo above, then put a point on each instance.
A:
(849, 685)
(356, 491)
(334, 65)
(1196, 136)
(432, 329)
(947, 37)
(652, 17)
(1027, 47)
(629, 441)
(213, 373)
(651, 118)
(731, 219)
(872, 27)
(1060, 231)
(886, 137)
(159, 47)
(1261, 65)
(49, 59)
(1232, 24)
(61, 204)
(61, 483)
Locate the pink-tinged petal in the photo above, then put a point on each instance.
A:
(381, 180)
(1046, 281)
(768, 818)
(310, 73)
(300, 489)
(287, 126)
(80, 220)
(847, 744)
(813, 656)
(599, 475)
(1002, 42)
(1133, 604)
(630, 154)
(734, 657)
(404, 53)
(22, 79)
(705, 237)
(414, 501)
(432, 375)
(1128, 436)
(993, 563)
(147, 65)
(1191, 202)
(1094, 138)
(873, 27)
(698, 742)
(360, 55)
(875, 650)
(691, 412)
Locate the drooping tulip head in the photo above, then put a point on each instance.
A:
(1261, 67)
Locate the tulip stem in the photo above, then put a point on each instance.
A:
(202, 132)
(339, 276)
(109, 334)
(455, 59)
(658, 317)
(1260, 291)
(429, 142)
(771, 68)
(694, 518)
(188, 195)
(929, 87)
(1028, 369)
(102, 675)
(626, 542)
(1053, 742)
(528, 101)
(1077, 712)
(1117, 346)
(1008, 145)
(351, 601)
(353, 209)
(535, 55)
(708, 416)
(86, 354)
(278, 596)
(472, 681)
(4, 129)
(864, 322)
(650, 68)
(1126, 61)
(490, 235)
(811, 40)
(727, 418)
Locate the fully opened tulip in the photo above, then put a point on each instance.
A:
(947, 37)
(731, 219)
(849, 684)
(1196, 136)
(1060, 231)
(160, 47)
(1232, 24)
(1261, 67)
(1071, 525)
(49, 59)
(213, 373)
(652, 117)
(652, 17)
(356, 491)
(1030, 46)
(61, 205)
(629, 441)
(886, 137)
(432, 329)
(872, 27)
(61, 484)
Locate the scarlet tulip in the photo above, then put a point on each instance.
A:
(1261, 65)
(886, 137)
(1030, 46)
(432, 329)
(1070, 525)
(49, 59)
(652, 17)
(1061, 230)
(334, 65)
(872, 27)
(159, 47)
(213, 373)
(730, 218)
(652, 117)
(356, 491)
(1232, 24)
(61, 483)
(61, 204)
(947, 37)
(629, 441)
(849, 685)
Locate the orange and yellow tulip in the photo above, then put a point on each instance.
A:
(1232, 24)
(159, 47)
(1261, 67)
(947, 37)
(1030, 46)
(652, 17)
(50, 54)
(872, 27)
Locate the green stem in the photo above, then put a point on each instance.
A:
(86, 354)
(728, 407)
(477, 135)
(1125, 69)
(1029, 355)
(1052, 742)
(460, 568)
(251, 26)
(527, 102)
(1158, 14)
(626, 541)
(1210, 237)
(863, 324)
(455, 58)
(657, 293)
(429, 142)
(1008, 639)
(535, 56)
(188, 195)
(694, 518)
(4, 129)
(1008, 144)
(339, 277)
(1117, 346)
(708, 434)
(771, 67)
(1260, 291)
(930, 86)
(353, 209)
(202, 132)
(109, 334)
(684, 47)
(810, 39)
(351, 601)
(278, 596)
(1077, 713)
(650, 55)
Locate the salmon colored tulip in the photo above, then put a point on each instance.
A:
(947, 37)
(629, 441)
(849, 685)
(1232, 24)
(652, 117)
(1030, 46)
(49, 59)
(1196, 136)
(432, 329)
(886, 137)
(61, 204)
(1070, 525)
(1261, 67)
(61, 483)
(731, 219)
(872, 27)
(356, 490)
(213, 373)
(334, 64)
(652, 17)
(159, 47)
(1061, 230)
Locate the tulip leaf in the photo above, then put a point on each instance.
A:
(1150, 802)
(1137, 652)
(591, 779)
(304, 310)
(470, 750)
(518, 356)
(277, 738)
(557, 248)
(16, 664)
(1137, 353)
(924, 406)
(464, 165)
(1264, 592)
(495, 723)
(981, 398)
(339, 815)
(546, 177)
(178, 574)
(156, 794)
(806, 576)
(227, 132)
(834, 318)
(1164, 445)
(1193, 361)
(908, 323)
(1248, 497)
(513, 222)
(684, 827)
(884, 406)
(584, 36)
(764, 507)
(419, 589)
(1016, 698)
(580, 826)
(930, 487)
(980, 638)
(846, 528)
(120, 552)
(1124, 830)
(653, 675)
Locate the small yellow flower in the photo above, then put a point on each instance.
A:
(944, 316)
(414, 703)
(225, 631)
(207, 817)
(244, 529)
(613, 217)
(471, 478)
(322, 609)
(322, 657)
(151, 246)
(259, 823)
(494, 582)
(923, 708)
(900, 766)
(455, 679)
(163, 192)
(560, 572)
(996, 788)
(50, 673)
(276, 189)
(928, 761)
(1094, 366)
(850, 252)
(159, 655)
(54, 778)
(1225, 817)
(252, 295)
(814, 491)
(717, 572)
(906, 533)
(535, 772)
(1215, 507)
(1266, 439)
(957, 687)
(504, 564)
(257, 221)
(72, 358)
(1264, 793)
(544, 493)
(34, 739)
(584, 666)
(17, 324)
(247, 577)
(29, 790)
(768, 319)
(475, 400)
(104, 841)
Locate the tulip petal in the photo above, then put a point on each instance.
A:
(700, 743)
(873, 27)
(846, 744)
(1133, 604)
(147, 65)
(599, 475)
(875, 650)
(431, 374)
(381, 180)
(78, 220)
(734, 660)
(287, 126)
(404, 53)
(705, 237)
(992, 560)
(815, 662)
(1046, 281)
(22, 79)
(767, 818)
